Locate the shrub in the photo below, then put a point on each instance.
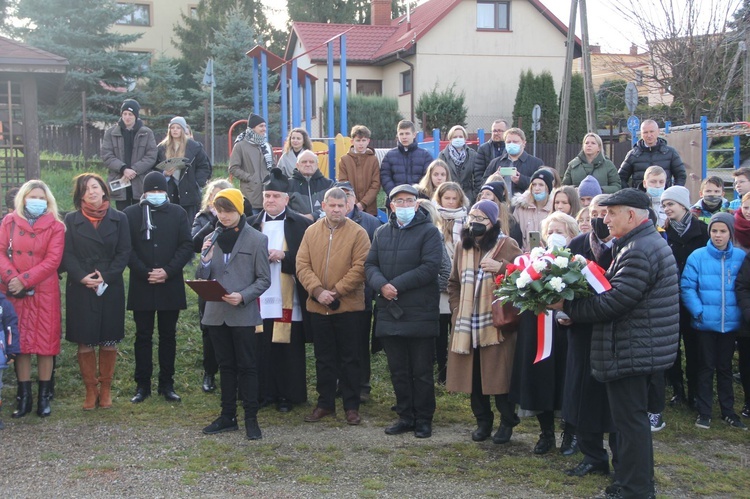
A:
(443, 110)
(379, 114)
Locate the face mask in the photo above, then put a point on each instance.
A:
(539, 196)
(655, 192)
(36, 207)
(156, 198)
(712, 201)
(405, 215)
(476, 229)
(458, 142)
(556, 240)
(513, 149)
(600, 228)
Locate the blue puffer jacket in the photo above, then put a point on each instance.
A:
(707, 288)
(404, 165)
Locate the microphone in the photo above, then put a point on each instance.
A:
(214, 236)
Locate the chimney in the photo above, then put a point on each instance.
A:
(380, 13)
(595, 49)
(634, 49)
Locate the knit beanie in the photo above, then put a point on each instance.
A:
(679, 195)
(254, 120)
(589, 187)
(545, 176)
(496, 188)
(487, 207)
(155, 181)
(234, 196)
(132, 106)
(724, 218)
(179, 120)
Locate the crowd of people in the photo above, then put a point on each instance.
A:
(305, 259)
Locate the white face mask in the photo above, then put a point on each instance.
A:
(556, 240)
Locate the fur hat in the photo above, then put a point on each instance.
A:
(132, 106)
(155, 181)
(254, 120)
(545, 176)
(487, 207)
(589, 187)
(678, 194)
(234, 196)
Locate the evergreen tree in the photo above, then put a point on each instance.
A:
(577, 128)
(79, 31)
(546, 97)
(521, 108)
(443, 109)
(162, 95)
(610, 100)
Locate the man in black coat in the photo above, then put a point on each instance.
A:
(648, 151)
(307, 186)
(515, 156)
(162, 246)
(282, 369)
(493, 148)
(403, 267)
(635, 334)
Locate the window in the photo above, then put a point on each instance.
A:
(406, 82)
(369, 87)
(639, 77)
(493, 15)
(337, 87)
(139, 16)
(193, 11)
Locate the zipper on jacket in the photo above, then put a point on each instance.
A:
(723, 304)
(309, 197)
(328, 259)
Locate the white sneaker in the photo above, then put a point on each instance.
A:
(657, 423)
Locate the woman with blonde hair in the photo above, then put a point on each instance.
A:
(462, 161)
(32, 239)
(297, 141)
(591, 161)
(437, 173)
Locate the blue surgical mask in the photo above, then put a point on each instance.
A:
(36, 207)
(513, 149)
(156, 198)
(405, 214)
(458, 142)
(655, 192)
(539, 196)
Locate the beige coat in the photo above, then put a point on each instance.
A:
(496, 361)
(248, 164)
(528, 216)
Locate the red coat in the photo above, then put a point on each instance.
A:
(37, 252)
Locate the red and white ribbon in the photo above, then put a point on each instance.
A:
(544, 326)
(594, 275)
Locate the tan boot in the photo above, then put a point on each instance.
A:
(87, 363)
(107, 359)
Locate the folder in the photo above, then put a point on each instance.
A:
(209, 290)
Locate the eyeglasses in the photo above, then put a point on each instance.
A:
(474, 218)
(404, 201)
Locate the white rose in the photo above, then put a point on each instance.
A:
(557, 284)
(561, 262)
(523, 280)
(539, 265)
(580, 259)
(537, 252)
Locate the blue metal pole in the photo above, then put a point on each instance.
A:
(296, 110)
(420, 137)
(264, 82)
(704, 146)
(284, 104)
(435, 142)
(737, 159)
(667, 127)
(331, 132)
(480, 136)
(344, 94)
(256, 90)
(308, 105)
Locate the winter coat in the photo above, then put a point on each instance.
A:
(288, 162)
(92, 319)
(528, 216)
(695, 237)
(142, 160)
(187, 191)
(526, 164)
(306, 196)
(409, 259)
(363, 172)
(246, 272)
(495, 361)
(700, 211)
(248, 164)
(486, 153)
(170, 248)
(37, 253)
(203, 224)
(404, 165)
(636, 326)
(707, 288)
(742, 291)
(640, 157)
(469, 175)
(10, 341)
(602, 169)
(333, 259)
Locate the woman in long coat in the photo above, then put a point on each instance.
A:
(31, 249)
(482, 367)
(97, 249)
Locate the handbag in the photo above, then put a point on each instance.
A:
(504, 316)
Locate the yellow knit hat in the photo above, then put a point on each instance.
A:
(234, 196)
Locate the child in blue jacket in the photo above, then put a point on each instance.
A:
(10, 346)
(707, 291)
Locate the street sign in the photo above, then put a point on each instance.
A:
(634, 124)
(536, 113)
(631, 97)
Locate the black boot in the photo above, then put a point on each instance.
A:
(546, 442)
(24, 399)
(483, 431)
(569, 445)
(42, 405)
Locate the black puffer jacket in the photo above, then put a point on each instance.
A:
(410, 260)
(742, 289)
(696, 236)
(307, 197)
(636, 323)
(641, 157)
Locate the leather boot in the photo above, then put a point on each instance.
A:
(42, 404)
(546, 442)
(87, 364)
(24, 399)
(107, 360)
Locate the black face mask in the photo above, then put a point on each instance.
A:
(476, 229)
(600, 228)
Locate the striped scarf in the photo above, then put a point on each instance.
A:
(260, 141)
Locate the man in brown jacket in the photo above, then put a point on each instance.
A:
(330, 266)
(362, 169)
